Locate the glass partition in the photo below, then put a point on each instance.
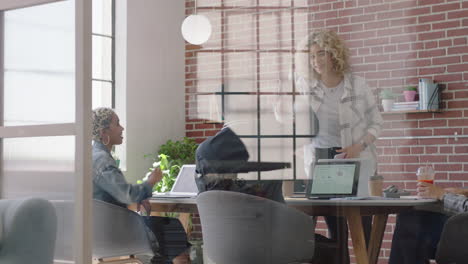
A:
(255, 70)
(39, 65)
(38, 166)
(39, 136)
(396, 48)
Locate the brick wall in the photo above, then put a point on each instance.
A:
(393, 43)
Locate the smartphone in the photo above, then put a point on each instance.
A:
(340, 156)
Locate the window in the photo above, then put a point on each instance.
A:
(39, 84)
(103, 53)
(243, 78)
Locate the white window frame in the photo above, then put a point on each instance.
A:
(81, 129)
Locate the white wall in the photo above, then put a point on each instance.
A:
(149, 77)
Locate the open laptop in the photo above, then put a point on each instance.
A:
(184, 185)
(333, 179)
(366, 169)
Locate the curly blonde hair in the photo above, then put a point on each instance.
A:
(333, 44)
(102, 117)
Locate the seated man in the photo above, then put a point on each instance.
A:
(417, 233)
(221, 157)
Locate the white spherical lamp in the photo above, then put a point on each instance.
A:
(196, 29)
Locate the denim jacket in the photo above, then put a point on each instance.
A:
(109, 184)
(455, 203)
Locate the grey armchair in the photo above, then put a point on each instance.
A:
(241, 228)
(27, 231)
(117, 232)
(452, 248)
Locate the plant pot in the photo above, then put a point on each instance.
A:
(387, 104)
(410, 96)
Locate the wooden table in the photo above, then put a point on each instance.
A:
(351, 209)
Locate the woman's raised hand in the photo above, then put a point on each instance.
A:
(155, 176)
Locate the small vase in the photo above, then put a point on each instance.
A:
(387, 104)
(409, 95)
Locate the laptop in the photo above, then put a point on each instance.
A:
(366, 169)
(333, 179)
(184, 185)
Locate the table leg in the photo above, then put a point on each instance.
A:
(378, 228)
(357, 234)
(184, 219)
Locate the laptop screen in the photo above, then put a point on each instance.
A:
(185, 182)
(334, 179)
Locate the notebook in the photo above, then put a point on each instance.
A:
(184, 185)
(366, 169)
(333, 179)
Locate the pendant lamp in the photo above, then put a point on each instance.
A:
(196, 29)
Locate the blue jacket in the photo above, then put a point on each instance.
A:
(109, 184)
(455, 203)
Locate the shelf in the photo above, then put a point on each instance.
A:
(412, 112)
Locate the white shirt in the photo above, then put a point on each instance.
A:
(329, 133)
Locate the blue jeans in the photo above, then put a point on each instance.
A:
(416, 236)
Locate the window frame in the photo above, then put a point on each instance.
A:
(256, 10)
(112, 39)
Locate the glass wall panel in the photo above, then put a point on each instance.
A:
(39, 89)
(216, 38)
(276, 115)
(39, 65)
(274, 2)
(38, 166)
(102, 58)
(102, 94)
(278, 150)
(102, 17)
(241, 32)
(206, 107)
(44, 167)
(241, 113)
(31, 98)
(393, 46)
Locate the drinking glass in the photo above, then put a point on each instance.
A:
(425, 174)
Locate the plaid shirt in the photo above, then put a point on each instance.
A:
(358, 114)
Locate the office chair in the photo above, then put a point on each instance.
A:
(453, 241)
(118, 233)
(27, 231)
(241, 228)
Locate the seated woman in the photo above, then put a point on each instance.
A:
(417, 233)
(109, 185)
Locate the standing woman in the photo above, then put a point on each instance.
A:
(345, 110)
(109, 185)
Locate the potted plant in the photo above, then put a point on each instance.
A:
(388, 98)
(170, 158)
(410, 93)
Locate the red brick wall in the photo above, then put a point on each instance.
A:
(393, 43)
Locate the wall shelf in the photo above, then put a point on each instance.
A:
(412, 112)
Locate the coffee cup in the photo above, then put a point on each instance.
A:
(376, 185)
